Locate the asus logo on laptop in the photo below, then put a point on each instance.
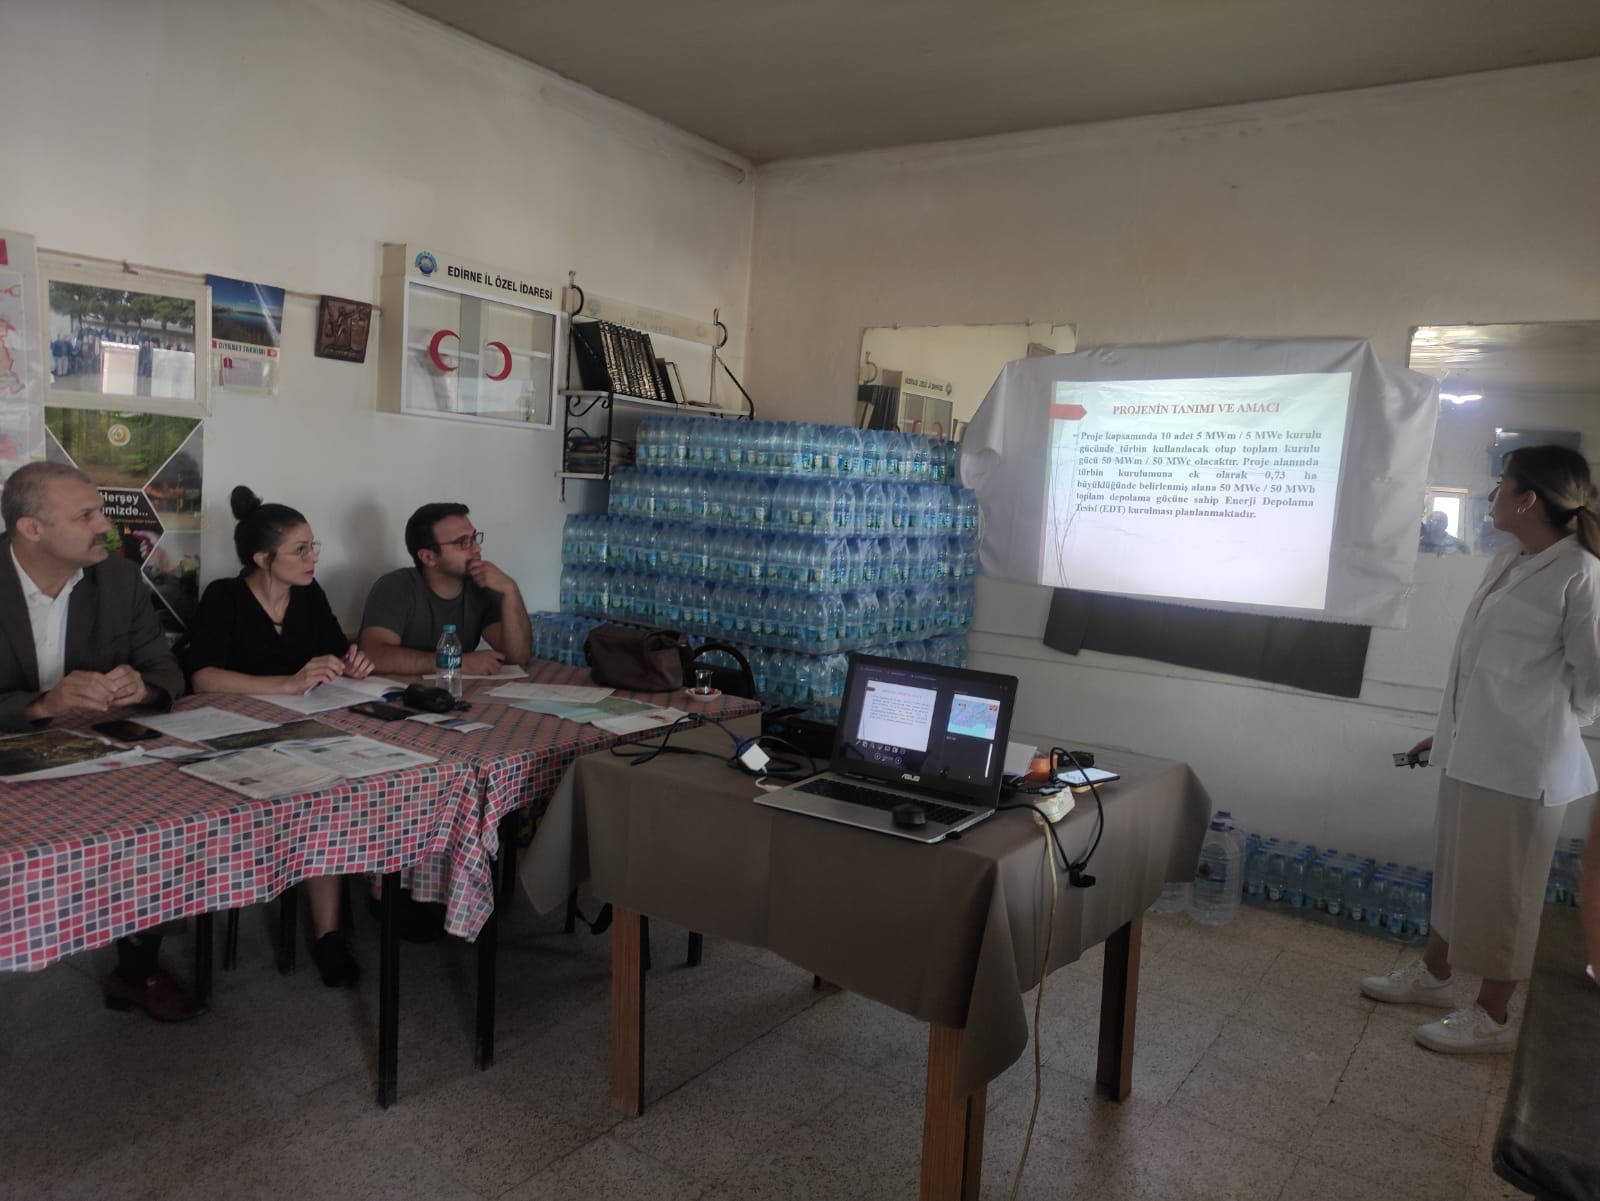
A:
(905, 775)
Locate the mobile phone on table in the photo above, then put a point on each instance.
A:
(125, 731)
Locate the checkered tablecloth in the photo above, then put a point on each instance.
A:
(88, 859)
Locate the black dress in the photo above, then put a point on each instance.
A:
(232, 631)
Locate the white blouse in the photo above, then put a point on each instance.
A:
(1525, 676)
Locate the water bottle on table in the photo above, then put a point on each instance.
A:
(447, 662)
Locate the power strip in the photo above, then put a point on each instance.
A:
(1056, 807)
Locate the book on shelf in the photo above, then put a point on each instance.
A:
(614, 358)
(664, 382)
(594, 364)
(647, 367)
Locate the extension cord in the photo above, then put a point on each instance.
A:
(1055, 807)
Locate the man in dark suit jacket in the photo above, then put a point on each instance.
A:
(78, 636)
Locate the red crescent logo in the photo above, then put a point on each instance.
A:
(501, 347)
(433, 349)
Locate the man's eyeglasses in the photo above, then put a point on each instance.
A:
(464, 543)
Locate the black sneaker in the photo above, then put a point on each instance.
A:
(334, 961)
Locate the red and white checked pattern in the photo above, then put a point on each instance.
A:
(86, 860)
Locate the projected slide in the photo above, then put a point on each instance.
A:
(974, 716)
(1219, 489)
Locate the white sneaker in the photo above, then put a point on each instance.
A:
(1413, 984)
(1468, 1031)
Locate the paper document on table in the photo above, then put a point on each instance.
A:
(355, 756)
(579, 711)
(57, 754)
(1019, 758)
(508, 671)
(263, 773)
(335, 694)
(461, 725)
(551, 692)
(632, 723)
(198, 725)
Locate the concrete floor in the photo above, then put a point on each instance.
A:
(1261, 1073)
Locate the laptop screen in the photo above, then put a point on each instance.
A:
(920, 725)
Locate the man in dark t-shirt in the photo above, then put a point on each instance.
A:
(450, 584)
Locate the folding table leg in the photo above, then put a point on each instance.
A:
(1119, 1004)
(389, 993)
(488, 953)
(952, 1125)
(288, 919)
(627, 1013)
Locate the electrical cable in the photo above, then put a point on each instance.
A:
(788, 766)
(1078, 873)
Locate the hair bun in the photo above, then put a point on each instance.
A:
(243, 502)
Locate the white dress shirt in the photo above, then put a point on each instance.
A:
(1525, 676)
(48, 617)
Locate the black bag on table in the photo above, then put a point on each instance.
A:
(640, 659)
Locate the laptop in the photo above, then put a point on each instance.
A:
(921, 733)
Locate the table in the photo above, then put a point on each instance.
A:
(86, 860)
(952, 934)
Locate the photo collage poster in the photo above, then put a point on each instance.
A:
(22, 362)
(149, 469)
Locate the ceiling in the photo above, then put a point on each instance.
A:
(777, 79)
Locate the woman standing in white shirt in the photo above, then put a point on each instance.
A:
(1524, 677)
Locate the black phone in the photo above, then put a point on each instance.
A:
(125, 731)
(381, 711)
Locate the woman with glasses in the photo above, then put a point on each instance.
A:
(1524, 677)
(270, 629)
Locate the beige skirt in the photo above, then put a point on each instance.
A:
(1490, 862)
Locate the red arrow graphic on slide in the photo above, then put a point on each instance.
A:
(1068, 412)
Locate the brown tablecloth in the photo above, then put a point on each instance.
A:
(951, 933)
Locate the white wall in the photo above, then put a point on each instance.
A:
(285, 141)
(1360, 214)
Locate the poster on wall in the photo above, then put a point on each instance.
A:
(148, 468)
(246, 329)
(22, 349)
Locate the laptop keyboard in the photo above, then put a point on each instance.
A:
(876, 798)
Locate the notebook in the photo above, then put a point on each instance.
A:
(911, 732)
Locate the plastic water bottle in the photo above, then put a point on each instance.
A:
(447, 662)
(1355, 894)
(1216, 878)
(1174, 898)
(1421, 909)
(1255, 872)
(1276, 882)
(1294, 883)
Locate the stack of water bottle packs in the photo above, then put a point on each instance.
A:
(1338, 889)
(1389, 899)
(799, 542)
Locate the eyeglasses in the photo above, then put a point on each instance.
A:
(307, 550)
(464, 543)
